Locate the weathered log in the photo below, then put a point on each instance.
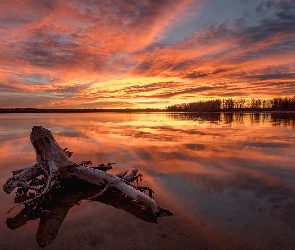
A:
(53, 162)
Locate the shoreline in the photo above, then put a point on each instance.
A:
(34, 110)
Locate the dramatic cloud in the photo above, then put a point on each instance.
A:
(64, 53)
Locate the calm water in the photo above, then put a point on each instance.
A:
(229, 179)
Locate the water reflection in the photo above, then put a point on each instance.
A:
(286, 119)
(59, 201)
(229, 178)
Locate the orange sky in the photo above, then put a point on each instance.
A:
(136, 54)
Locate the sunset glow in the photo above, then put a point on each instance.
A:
(144, 54)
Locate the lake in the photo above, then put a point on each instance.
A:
(229, 179)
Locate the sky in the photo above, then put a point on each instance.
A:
(144, 53)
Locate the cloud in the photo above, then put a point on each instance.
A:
(272, 76)
(76, 48)
(69, 89)
(9, 99)
(232, 51)
(183, 91)
(195, 75)
(150, 87)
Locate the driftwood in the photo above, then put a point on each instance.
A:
(39, 184)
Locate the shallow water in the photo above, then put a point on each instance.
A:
(229, 179)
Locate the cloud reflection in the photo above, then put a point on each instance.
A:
(225, 173)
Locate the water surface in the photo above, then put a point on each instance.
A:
(229, 179)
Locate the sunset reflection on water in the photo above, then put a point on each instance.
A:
(229, 178)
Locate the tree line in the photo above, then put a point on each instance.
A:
(254, 104)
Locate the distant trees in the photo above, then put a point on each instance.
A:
(204, 106)
(277, 103)
(287, 103)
